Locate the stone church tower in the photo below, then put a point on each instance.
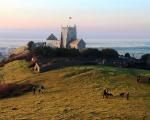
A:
(68, 34)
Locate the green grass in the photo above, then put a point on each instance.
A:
(75, 93)
(16, 71)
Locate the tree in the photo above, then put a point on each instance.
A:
(127, 55)
(43, 51)
(48, 52)
(90, 53)
(109, 53)
(31, 46)
(63, 52)
(146, 59)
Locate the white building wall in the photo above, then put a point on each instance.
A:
(64, 36)
(53, 43)
(67, 34)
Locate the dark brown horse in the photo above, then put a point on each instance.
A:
(106, 93)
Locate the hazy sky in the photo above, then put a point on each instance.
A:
(94, 18)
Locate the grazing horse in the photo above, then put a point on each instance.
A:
(109, 94)
(125, 95)
(41, 88)
(122, 94)
(106, 93)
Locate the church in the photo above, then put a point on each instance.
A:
(68, 39)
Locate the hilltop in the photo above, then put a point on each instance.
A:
(75, 93)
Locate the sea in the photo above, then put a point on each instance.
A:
(136, 47)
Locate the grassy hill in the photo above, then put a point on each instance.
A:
(15, 71)
(75, 93)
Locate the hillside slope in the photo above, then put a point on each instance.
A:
(16, 71)
(75, 93)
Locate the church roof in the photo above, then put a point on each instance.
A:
(52, 37)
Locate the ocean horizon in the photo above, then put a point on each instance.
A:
(136, 47)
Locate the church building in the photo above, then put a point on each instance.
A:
(68, 39)
(53, 42)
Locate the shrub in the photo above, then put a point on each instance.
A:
(43, 51)
(13, 90)
(48, 52)
(109, 53)
(55, 52)
(31, 46)
(62, 52)
(90, 53)
(146, 59)
(127, 55)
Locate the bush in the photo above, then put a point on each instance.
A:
(146, 59)
(43, 51)
(90, 53)
(31, 46)
(48, 52)
(127, 55)
(13, 90)
(62, 52)
(55, 52)
(109, 53)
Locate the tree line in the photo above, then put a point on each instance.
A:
(46, 51)
(94, 53)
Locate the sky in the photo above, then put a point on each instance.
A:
(94, 18)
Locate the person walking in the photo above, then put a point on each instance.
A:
(34, 90)
(128, 96)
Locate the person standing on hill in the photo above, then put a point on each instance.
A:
(105, 93)
(128, 96)
(34, 90)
